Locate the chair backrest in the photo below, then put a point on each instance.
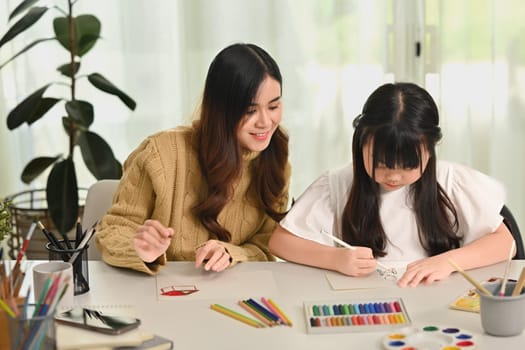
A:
(98, 200)
(512, 225)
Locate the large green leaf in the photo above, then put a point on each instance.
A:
(105, 85)
(30, 109)
(23, 23)
(66, 70)
(62, 195)
(98, 156)
(35, 167)
(34, 43)
(80, 111)
(24, 5)
(87, 32)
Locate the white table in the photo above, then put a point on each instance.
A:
(192, 325)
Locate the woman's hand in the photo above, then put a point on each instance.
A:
(355, 262)
(151, 240)
(426, 271)
(214, 256)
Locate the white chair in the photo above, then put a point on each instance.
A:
(98, 200)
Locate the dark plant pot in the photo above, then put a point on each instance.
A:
(28, 206)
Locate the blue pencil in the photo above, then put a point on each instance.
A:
(264, 311)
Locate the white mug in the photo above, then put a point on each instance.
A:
(43, 271)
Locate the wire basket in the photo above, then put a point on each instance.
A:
(28, 206)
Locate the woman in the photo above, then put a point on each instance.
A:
(211, 192)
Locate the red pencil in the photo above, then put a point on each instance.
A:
(26, 242)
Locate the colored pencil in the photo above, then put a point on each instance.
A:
(7, 309)
(507, 268)
(26, 243)
(254, 312)
(237, 316)
(469, 278)
(346, 245)
(273, 306)
(15, 272)
(262, 310)
(520, 284)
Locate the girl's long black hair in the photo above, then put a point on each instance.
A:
(400, 120)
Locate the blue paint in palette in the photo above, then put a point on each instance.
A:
(429, 337)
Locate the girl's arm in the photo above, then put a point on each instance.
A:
(487, 250)
(287, 246)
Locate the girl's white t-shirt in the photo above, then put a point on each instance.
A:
(477, 198)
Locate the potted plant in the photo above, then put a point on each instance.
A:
(77, 35)
(5, 219)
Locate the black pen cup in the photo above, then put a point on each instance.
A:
(78, 257)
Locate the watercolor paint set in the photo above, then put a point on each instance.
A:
(430, 337)
(330, 316)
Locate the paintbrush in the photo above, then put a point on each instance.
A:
(507, 268)
(520, 284)
(469, 278)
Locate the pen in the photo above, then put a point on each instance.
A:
(346, 245)
(82, 244)
(50, 237)
(78, 234)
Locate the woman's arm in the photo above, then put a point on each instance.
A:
(358, 262)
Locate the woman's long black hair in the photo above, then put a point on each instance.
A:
(400, 120)
(231, 86)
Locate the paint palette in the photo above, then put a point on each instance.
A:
(329, 316)
(430, 338)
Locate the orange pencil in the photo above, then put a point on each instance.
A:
(254, 312)
(274, 310)
(237, 316)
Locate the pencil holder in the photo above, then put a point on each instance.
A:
(4, 328)
(31, 332)
(502, 316)
(78, 257)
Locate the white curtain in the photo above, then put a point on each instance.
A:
(332, 54)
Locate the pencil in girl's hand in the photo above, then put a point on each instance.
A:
(237, 316)
(469, 278)
(507, 267)
(346, 245)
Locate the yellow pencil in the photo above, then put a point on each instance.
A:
(468, 278)
(7, 309)
(235, 315)
(281, 313)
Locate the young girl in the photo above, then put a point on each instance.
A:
(211, 192)
(396, 202)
